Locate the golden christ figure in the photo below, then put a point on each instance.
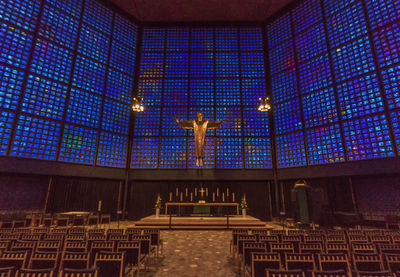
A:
(200, 128)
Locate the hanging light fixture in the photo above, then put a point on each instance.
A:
(265, 105)
(137, 105)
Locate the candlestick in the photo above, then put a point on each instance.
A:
(186, 192)
(223, 197)
(217, 192)
(181, 196)
(170, 197)
(191, 196)
(176, 192)
(227, 191)
(195, 191)
(233, 197)
(213, 196)
(207, 192)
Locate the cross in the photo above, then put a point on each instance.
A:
(202, 191)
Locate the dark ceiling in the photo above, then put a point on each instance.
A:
(201, 10)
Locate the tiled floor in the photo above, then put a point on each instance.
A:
(194, 253)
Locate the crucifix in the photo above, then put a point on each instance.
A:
(200, 128)
(202, 192)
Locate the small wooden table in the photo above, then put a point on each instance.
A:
(217, 204)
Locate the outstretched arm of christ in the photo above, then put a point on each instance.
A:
(184, 124)
(215, 124)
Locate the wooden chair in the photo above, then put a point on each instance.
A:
(337, 248)
(47, 221)
(334, 273)
(155, 239)
(395, 238)
(95, 237)
(68, 272)
(389, 248)
(338, 261)
(28, 246)
(23, 272)
(260, 232)
(314, 239)
(62, 221)
(357, 239)
(4, 245)
(234, 241)
(336, 239)
(79, 220)
(43, 260)
(263, 261)
(391, 262)
(374, 274)
(15, 259)
(105, 219)
(31, 237)
(118, 237)
(40, 230)
(6, 271)
(22, 231)
(250, 247)
(92, 220)
(134, 258)
(48, 246)
(311, 247)
(364, 248)
(9, 237)
(355, 233)
(110, 263)
(367, 262)
(76, 246)
(145, 244)
(97, 246)
(314, 233)
(114, 232)
(295, 240)
(62, 231)
(282, 249)
(54, 237)
(374, 232)
(296, 232)
(238, 249)
(18, 224)
(96, 231)
(381, 239)
(75, 237)
(77, 231)
(285, 273)
(5, 231)
(75, 260)
(331, 232)
(304, 262)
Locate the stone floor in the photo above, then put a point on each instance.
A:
(194, 253)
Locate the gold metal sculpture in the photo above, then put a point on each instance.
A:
(200, 128)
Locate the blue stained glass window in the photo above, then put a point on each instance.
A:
(257, 153)
(175, 92)
(284, 86)
(233, 126)
(353, 59)
(290, 150)
(145, 153)
(279, 30)
(319, 108)
(227, 65)
(368, 138)
(387, 44)
(209, 153)
(115, 117)
(324, 145)
(150, 90)
(147, 123)
(153, 39)
(229, 153)
(44, 98)
(173, 153)
(255, 123)
(59, 27)
(391, 83)
(251, 39)
(311, 43)
(227, 92)
(201, 92)
(152, 65)
(6, 121)
(10, 87)
(346, 25)
(125, 31)
(360, 97)
(14, 46)
(315, 74)
(333, 6)
(395, 116)
(22, 13)
(288, 117)
(306, 14)
(73, 8)
(84, 108)
(177, 65)
(78, 145)
(35, 138)
(89, 75)
(169, 126)
(381, 12)
(119, 86)
(252, 65)
(202, 39)
(282, 57)
(122, 58)
(208, 112)
(178, 39)
(202, 65)
(112, 150)
(97, 15)
(226, 39)
(51, 61)
(93, 43)
(252, 90)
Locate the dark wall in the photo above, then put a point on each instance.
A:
(142, 195)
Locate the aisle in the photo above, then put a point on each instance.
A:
(195, 253)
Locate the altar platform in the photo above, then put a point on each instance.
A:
(197, 222)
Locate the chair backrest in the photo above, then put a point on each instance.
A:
(6, 271)
(118, 237)
(311, 247)
(355, 233)
(250, 247)
(69, 272)
(75, 237)
(296, 232)
(337, 248)
(93, 220)
(15, 259)
(97, 231)
(31, 237)
(314, 233)
(62, 231)
(285, 273)
(388, 248)
(54, 237)
(43, 260)
(133, 231)
(40, 230)
(392, 262)
(48, 246)
(79, 220)
(337, 261)
(333, 273)
(300, 261)
(363, 248)
(358, 239)
(381, 239)
(286, 247)
(10, 237)
(23, 245)
(335, 233)
(76, 246)
(23, 272)
(314, 238)
(132, 251)
(262, 261)
(292, 238)
(335, 239)
(98, 246)
(243, 238)
(145, 242)
(4, 245)
(115, 231)
(110, 263)
(62, 221)
(374, 274)
(75, 260)
(367, 262)
(260, 232)
(154, 236)
(235, 234)
(373, 232)
(22, 230)
(18, 223)
(105, 219)
(4, 230)
(95, 237)
(77, 231)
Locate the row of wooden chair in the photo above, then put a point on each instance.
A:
(23, 272)
(335, 273)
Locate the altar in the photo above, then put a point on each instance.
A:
(201, 209)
